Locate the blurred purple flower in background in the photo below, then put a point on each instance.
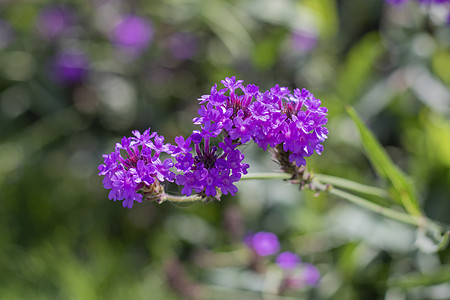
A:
(133, 33)
(6, 34)
(304, 41)
(264, 243)
(70, 67)
(53, 21)
(311, 274)
(183, 45)
(288, 260)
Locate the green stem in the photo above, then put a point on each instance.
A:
(320, 183)
(180, 199)
(418, 221)
(335, 181)
(266, 175)
(351, 185)
(385, 211)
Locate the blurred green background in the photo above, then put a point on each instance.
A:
(73, 82)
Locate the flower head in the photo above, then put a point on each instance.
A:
(288, 260)
(212, 167)
(133, 33)
(134, 169)
(263, 243)
(227, 110)
(70, 67)
(294, 121)
(311, 274)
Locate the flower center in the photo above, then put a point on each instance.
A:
(237, 104)
(289, 110)
(206, 155)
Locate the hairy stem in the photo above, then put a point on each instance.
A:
(352, 185)
(320, 183)
(179, 199)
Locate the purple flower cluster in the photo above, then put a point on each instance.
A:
(263, 243)
(70, 67)
(295, 121)
(212, 167)
(288, 260)
(228, 118)
(134, 166)
(266, 243)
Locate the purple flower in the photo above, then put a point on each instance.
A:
(184, 162)
(190, 181)
(311, 274)
(265, 243)
(307, 275)
(133, 33)
(227, 113)
(211, 168)
(53, 21)
(6, 34)
(287, 260)
(134, 168)
(227, 182)
(183, 145)
(212, 180)
(294, 121)
(70, 67)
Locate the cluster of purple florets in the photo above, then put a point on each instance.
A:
(276, 117)
(135, 165)
(228, 118)
(264, 244)
(213, 167)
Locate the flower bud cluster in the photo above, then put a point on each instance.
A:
(290, 123)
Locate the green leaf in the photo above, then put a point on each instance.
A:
(403, 191)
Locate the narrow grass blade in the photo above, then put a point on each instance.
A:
(404, 192)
